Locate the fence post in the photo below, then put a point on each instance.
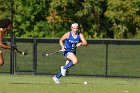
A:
(34, 55)
(12, 55)
(106, 72)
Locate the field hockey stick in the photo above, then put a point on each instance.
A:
(51, 53)
(14, 48)
(25, 52)
(17, 50)
(21, 52)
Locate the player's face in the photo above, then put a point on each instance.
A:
(9, 28)
(74, 29)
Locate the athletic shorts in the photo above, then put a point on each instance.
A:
(67, 52)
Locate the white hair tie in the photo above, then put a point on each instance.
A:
(74, 24)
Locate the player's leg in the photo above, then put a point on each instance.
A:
(57, 76)
(72, 61)
(1, 58)
(67, 61)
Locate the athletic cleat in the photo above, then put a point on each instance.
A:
(56, 80)
(63, 71)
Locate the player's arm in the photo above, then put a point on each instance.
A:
(63, 38)
(83, 41)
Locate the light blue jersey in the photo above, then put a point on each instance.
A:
(70, 43)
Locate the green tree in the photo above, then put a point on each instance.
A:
(30, 18)
(124, 16)
(5, 9)
(88, 13)
(52, 18)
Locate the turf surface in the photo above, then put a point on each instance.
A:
(69, 84)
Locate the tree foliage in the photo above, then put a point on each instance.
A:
(5, 9)
(96, 18)
(30, 18)
(124, 16)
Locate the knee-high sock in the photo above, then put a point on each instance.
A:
(59, 75)
(70, 64)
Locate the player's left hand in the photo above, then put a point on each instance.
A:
(78, 44)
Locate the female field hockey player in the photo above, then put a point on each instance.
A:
(69, 42)
(5, 27)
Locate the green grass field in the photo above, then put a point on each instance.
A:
(69, 84)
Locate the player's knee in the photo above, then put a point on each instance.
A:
(75, 61)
